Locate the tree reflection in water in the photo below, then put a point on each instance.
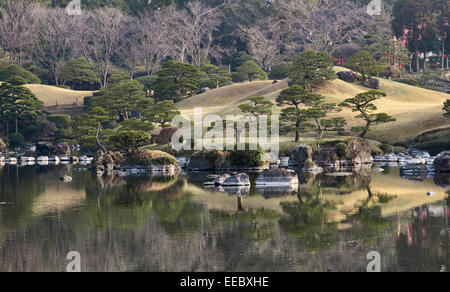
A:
(307, 219)
(156, 224)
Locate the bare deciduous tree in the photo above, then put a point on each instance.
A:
(265, 41)
(266, 30)
(15, 29)
(101, 38)
(52, 39)
(332, 23)
(156, 40)
(194, 28)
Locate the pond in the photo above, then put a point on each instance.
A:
(175, 224)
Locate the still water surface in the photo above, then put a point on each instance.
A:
(174, 224)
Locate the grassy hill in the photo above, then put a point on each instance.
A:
(50, 94)
(417, 110)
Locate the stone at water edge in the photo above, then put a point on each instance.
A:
(277, 177)
(241, 179)
(183, 161)
(65, 179)
(300, 156)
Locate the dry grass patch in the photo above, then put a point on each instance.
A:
(50, 94)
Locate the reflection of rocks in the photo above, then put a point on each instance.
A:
(442, 162)
(105, 162)
(221, 179)
(241, 179)
(269, 192)
(442, 179)
(65, 179)
(417, 172)
(277, 177)
(238, 191)
(344, 183)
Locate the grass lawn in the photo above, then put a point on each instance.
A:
(417, 110)
(50, 94)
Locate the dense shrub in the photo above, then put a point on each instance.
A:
(14, 70)
(280, 71)
(386, 148)
(248, 158)
(61, 121)
(250, 71)
(130, 141)
(342, 150)
(62, 134)
(147, 158)
(408, 81)
(87, 100)
(15, 140)
(149, 82)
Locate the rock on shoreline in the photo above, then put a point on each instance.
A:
(332, 154)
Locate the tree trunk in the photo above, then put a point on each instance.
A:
(7, 128)
(17, 126)
(443, 55)
(366, 129)
(100, 145)
(297, 136)
(417, 62)
(319, 129)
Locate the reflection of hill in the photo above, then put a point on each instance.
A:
(213, 200)
(408, 194)
(57, 198)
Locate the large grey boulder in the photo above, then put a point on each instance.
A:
(442, 162)
(372, 83)
(241, 179)
(277, 177)
(300, 156)
(347, 76)
(358, 153)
